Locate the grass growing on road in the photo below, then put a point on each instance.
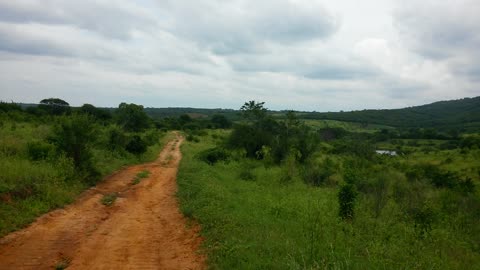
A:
(109, 199)
(141, 175)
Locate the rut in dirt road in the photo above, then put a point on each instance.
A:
(143, 229)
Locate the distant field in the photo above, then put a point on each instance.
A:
(349, 126)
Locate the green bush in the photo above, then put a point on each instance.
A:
(136, 145)
(116, 139)
(213, 155)
(318, 174)
(151, 137)
(192, 138)
(39, 150)
(423, 218)
(73, 135)
(346, 201)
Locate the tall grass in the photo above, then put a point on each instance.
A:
(33, 185)
(261, 222)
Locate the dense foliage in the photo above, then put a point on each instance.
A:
(51, 152)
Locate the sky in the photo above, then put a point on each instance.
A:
(326, 55)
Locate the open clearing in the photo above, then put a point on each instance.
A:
(141, 229)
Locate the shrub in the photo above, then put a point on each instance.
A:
(136, 145)
(318, 174)
(423, 218)
(247, 174)
(116, 139)
(213, 155)
(192, 138)
(152, 136)
(466, 186)
(72, 135)
(346, 201)
(39, 150)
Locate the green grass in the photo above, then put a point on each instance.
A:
(261, 223)
(30, 188)
(141, 175)
(109, 199)
(349, 126)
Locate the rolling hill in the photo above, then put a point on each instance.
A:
(462, 113)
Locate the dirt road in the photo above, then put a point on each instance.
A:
(143, 229)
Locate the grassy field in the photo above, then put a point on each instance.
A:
(31, 185)
(252, 218)
(348, 126)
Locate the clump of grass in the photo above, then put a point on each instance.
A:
(62, 264)
(140, 176)
(167, 160)
(109, 199)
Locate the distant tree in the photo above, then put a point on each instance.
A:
(220, 121)
(6, 107)
(132, 117)
(253, 111)
(98, 113)
(54, 106)
(184, 119)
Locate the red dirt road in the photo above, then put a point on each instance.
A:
(143, 229)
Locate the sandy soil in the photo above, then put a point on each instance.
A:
(143, 229)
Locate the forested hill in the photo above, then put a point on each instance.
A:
(461, 113)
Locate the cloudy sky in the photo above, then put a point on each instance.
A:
(325, 55)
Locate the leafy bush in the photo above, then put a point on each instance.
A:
(39, 150)
(116, 139)
(151, 136)
(213, 155)
(346, 201)
(192, 138)
(423, 218)
(136, 145)
(73, 134)
(318, 174)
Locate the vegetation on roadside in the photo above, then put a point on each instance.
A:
(52, 152)
(342, 206)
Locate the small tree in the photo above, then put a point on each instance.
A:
(346, 200)
(132, 117)
(253, 111)
(73, 135)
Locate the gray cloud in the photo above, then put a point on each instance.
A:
(312, 65)
(113, 19)
(228, 27)
(443, 31)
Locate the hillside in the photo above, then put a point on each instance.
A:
(462, 113)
